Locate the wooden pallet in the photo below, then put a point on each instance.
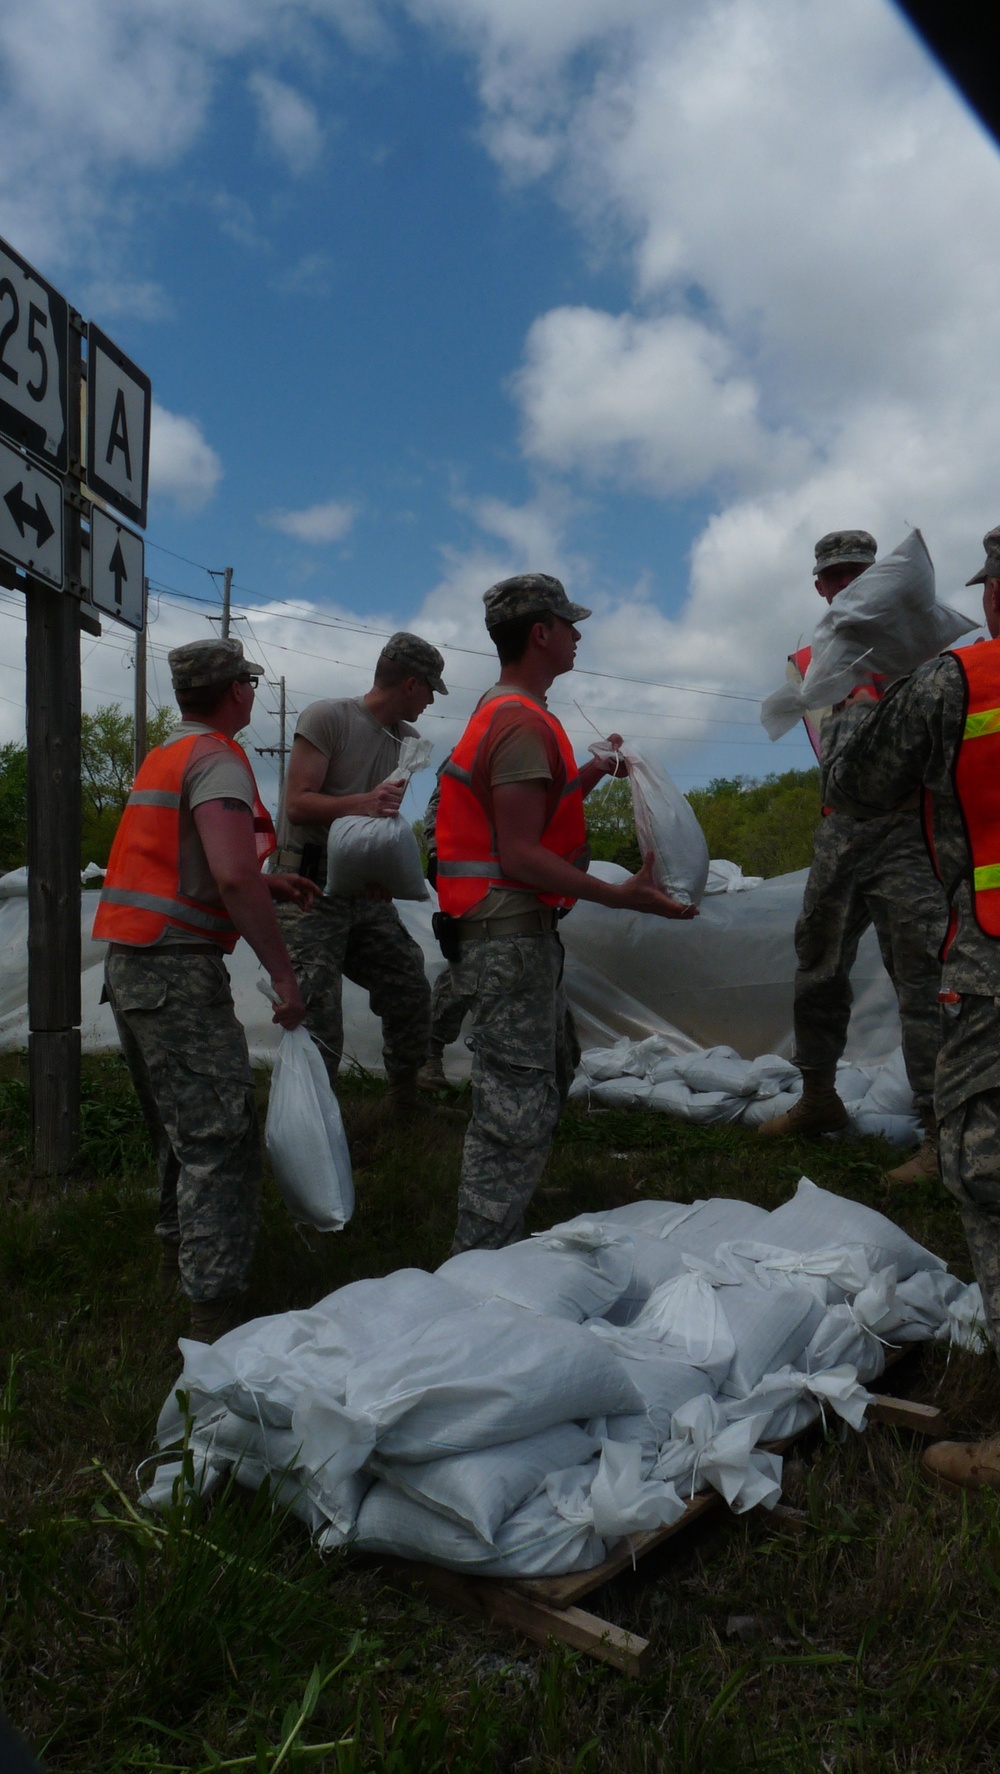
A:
(544, 1608)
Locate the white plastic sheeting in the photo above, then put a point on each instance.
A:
(725, 978)
(492, 1431)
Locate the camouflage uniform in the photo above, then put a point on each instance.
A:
(188, 1058)
(449, 1009)
(364, 941)
(911, 739)
(524, 1055)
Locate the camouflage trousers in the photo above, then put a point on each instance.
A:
(364, 941)
(969, 1118)
(870, 872)
(524, 1055)
(187, 1054)
(449, 1010)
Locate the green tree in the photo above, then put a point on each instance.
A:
(766, 826)
(13, 806)
(107, 750)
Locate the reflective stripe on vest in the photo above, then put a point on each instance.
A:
(977, 778)
(468, 863)
(142, 894)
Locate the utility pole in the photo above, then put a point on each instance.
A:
(282, 750)
(139, 752)
(227, 586)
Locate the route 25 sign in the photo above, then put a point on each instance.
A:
(119, 403)
(34, 332)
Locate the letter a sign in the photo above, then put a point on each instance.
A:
(119, 398)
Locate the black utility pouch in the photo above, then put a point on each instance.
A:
(313, 860)
(445, 928)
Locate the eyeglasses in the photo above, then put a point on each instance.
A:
(252, 681)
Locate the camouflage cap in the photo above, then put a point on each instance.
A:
(991, 569)
(845, 548)
(424, 660)
(198, 665)
(529, 594)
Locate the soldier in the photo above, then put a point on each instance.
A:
(342, 753)
(511, 848)
(940, 730)
(448, 1010)
(876, 872)
(183, 883)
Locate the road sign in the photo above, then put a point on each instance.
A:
(119, 402)
(31, 516)
(33, 344)
(116, 569)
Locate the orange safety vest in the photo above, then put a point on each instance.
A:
(977, 778)
(468, 862)
(142, 893)
(873, 690)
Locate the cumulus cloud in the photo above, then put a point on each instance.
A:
(317, 524)
(183, 466)
(288, 121)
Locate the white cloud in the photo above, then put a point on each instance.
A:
(182, 463)
(288, 120)
(317, 524)
(110, 299)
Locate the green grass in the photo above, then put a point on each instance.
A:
(215, 1636)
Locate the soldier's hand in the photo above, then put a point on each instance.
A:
(641, 894)
(615, 766)
(290, 1010)
(292, 889)
(384, 801)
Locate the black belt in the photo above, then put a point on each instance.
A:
(537, 923)
(165, 948)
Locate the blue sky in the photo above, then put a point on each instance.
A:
(644, 294)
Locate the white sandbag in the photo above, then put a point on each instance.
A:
(663, 1383)
(655, 1218)
(261, 1369)
(706, 1449)
(886, 622)
(815, 1218)
(686, 1318)
(305, 1138)
(768, 1108)
(718, 1068)
(614, 1496)
(795, 1399)
(728, 877)
(665, 824)
(770, 1328)
(574, 1274)
(491, 1374)
(480, 1490)
(535, 1541)
(621, 1093)
(715, 1222)
(670, 1097)
(384, 851)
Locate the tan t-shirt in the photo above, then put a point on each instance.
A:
(217, 776)
(360, 754)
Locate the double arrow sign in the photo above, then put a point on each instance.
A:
(31, 516)
(28, 517)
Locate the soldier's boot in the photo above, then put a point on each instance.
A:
(404, 1102)
(965, 1465)
(211, 1319)
(168, 1273)
(923, 1165)
(819, 1109)
(431, 1076)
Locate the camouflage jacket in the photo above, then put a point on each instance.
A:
(909, 741)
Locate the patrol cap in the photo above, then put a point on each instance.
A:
(424, 660)
(991, 570)
(845, 548)
(199, 665)
(529, 594)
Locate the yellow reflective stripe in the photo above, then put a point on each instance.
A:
(979, 725)
(987, 878)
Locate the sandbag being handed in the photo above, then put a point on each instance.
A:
(665, 824)
(383, 851)
(887, 622)
(305, 1137)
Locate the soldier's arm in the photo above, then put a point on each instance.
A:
(226, 831)
(897, 747)
(519, 817)
(306, 804)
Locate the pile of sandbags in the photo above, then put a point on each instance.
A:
(521, 1411)
(716, 1085)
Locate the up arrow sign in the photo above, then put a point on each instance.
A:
(116, 569)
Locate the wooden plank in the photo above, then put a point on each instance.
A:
(903, 1413)
(490, 1600)
(563, 1592)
